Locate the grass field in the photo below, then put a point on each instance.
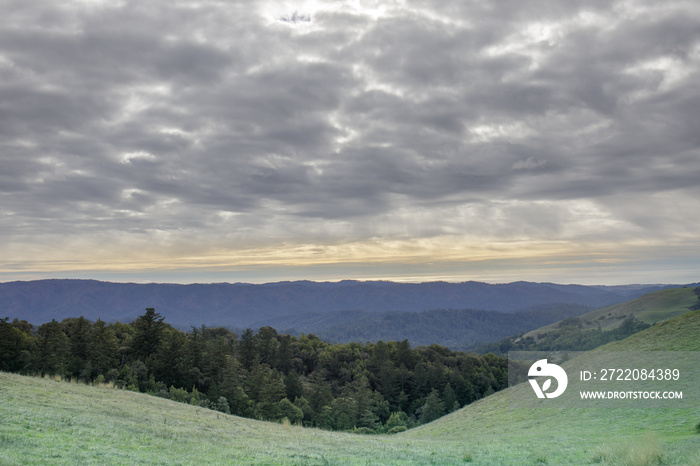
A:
(47, 422)
(44, 421)
(500, 432)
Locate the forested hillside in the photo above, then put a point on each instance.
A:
(458, 329)
(372, 387)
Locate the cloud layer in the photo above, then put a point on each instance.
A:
(201, 133)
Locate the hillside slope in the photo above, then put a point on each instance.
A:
(48, 422)
(681, 333)
(583, 435)
(650, 308)
(457, 329)
(45, 422)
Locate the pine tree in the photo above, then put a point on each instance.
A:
(171, 361)
(293, 386)
(433, 407)
(148, 331)
(196, 346)
(303, 404)
(241, 404)
(14, 347)
(54, 348)
(103, 348)
(285, 355)
(344, 413)
(270, 394)
(267, 345)
(79, 333)
(247, 349)
(450, 398)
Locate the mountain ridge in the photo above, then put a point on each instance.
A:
(244, 304)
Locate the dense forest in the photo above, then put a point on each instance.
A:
(458, 329)
(371, 387)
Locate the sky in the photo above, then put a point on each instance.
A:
(258, 141)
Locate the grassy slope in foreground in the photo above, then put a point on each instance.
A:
(650, 308)
(48, 422)
(581, 436)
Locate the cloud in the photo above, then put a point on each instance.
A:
(529, 163)
(205, 128)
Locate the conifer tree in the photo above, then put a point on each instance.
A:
(433, 407)
(293, 386)
(103, 348)
(54, 348)
(78, 332)
(15, 346)
(148, 331)
(247, 349)
(450, 398)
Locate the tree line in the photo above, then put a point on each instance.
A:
(370, 387)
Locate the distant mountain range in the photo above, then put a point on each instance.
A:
(241, 305)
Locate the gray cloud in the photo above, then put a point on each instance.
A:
(143, 118)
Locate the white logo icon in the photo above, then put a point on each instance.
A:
(542, 368)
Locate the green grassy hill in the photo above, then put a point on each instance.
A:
(678, 334)
(47, 422)
(650, 308)
(497, 431)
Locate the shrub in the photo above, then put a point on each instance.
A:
(363, 430)
(112, 374)
(205, 403)
(397, 429)
(396, 419)
(288, 411)
(179, 394)
(222, 405)
(645, 451)
(195, 398)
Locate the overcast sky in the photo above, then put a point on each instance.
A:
(208, 141)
